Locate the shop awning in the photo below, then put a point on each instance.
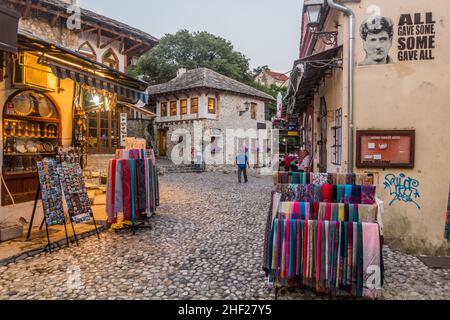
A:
(304, 84)
(9, 21)
(66, 63)
(97, 82)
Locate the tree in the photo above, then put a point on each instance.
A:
(260, 69)
(191, 51)
(195, 50)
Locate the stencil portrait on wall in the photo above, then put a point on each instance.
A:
(377, 34)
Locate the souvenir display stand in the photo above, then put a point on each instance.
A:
(324, 232)
(58, 178)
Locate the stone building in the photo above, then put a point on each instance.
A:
(370, 90)
(212, 103)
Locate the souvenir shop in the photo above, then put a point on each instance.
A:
(50, 95)
(49, 92)
(325, 232)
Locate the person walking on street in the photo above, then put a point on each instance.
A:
(198, 160)
(242, 163)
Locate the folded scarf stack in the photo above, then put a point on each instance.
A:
(341, 193)
(323, 178)
(338, 257)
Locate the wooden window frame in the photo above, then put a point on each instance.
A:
(215, 106)
(183, 109)
(163, 114)
(194, 104)
(107, 60)
(110, 149)
(337, 138)
(92, 56)
(253, 110)
(171, 108)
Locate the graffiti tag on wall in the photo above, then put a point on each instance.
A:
(402, 188)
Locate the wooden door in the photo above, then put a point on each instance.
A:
(162, 147)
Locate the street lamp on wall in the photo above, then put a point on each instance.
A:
(247, 107)
(314, 10)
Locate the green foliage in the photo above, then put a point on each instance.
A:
(260, 69)
(191, 51)
(196, 50)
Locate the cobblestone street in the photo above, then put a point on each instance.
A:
(206, 244)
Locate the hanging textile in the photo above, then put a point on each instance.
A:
(319, 178)
(133, 186)
(329, 256)
(368, 194)
(371, 260)
(283, 177)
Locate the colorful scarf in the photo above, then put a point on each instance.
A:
(368, 194)
(327, 193)
(126, 187)
(356, 194)
(348, 193)
(371, 260)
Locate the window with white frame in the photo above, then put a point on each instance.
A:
(337, 138)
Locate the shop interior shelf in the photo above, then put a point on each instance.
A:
(38, 119)
(29, 154)
(32, 137)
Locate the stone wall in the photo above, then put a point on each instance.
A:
(140, 128)
(58, 34)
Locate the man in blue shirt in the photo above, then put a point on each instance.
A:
(242, 163)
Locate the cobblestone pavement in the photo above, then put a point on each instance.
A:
(206, 244)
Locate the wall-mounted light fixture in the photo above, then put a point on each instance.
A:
(314, 10)
(247, 107)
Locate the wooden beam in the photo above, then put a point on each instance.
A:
(54, 20)
(93, 26)
(90, 30)
(107, 43)
(99, 36)
(132, 48)
(27, 10)
(122, 45)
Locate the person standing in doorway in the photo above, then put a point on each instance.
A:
(306, 162)
(242, 163)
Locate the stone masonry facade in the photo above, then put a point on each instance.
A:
(227, 117)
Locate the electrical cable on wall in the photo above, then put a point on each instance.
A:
(7, 190)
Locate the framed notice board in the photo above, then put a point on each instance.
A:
(385, 148)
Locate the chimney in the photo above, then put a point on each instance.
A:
(70, 2)
(181, 71)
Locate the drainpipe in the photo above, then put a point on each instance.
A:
(351, 76)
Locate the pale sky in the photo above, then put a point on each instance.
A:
(266, 31)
